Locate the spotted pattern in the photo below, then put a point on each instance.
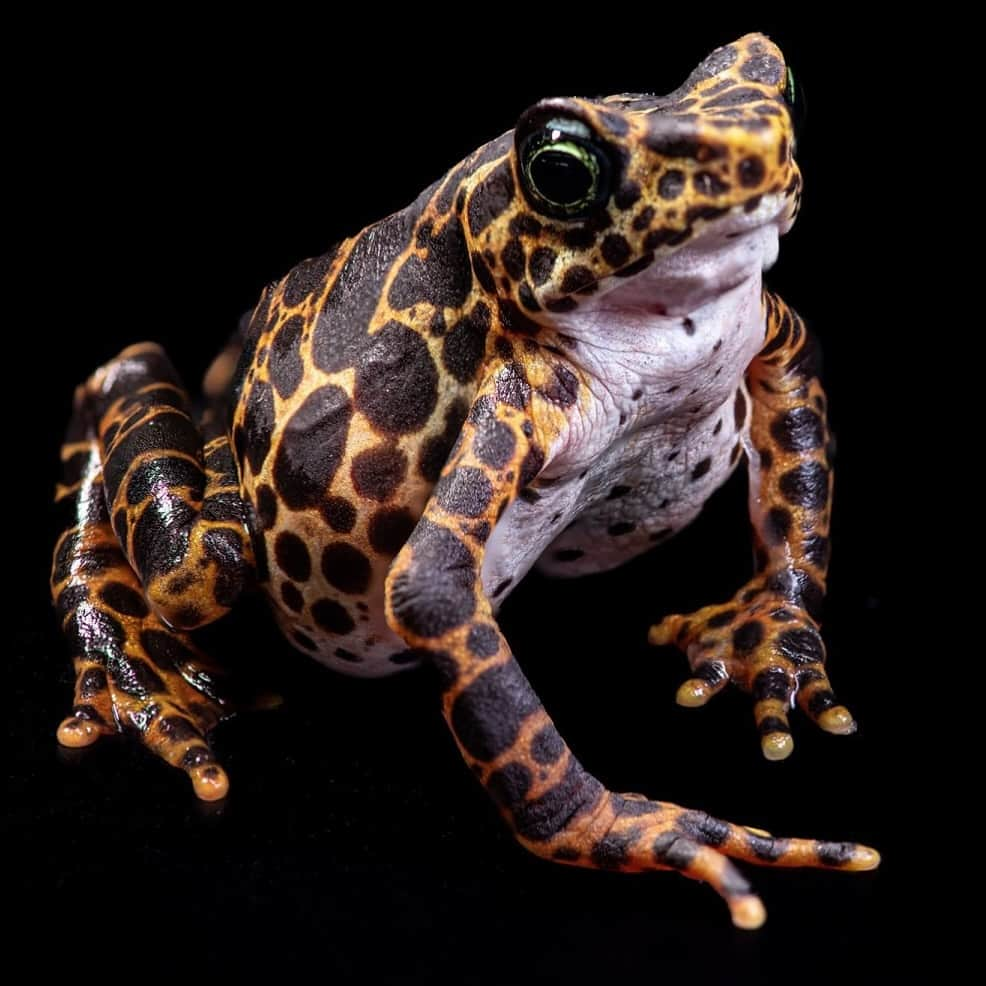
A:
(383, 409)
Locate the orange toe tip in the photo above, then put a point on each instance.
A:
(210, 783)
(659, 635)
(748, 912)
(76, 733)
(838, 720)
(865, 858)
(692, 695)
(777, 746)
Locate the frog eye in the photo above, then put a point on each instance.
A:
(794, 96)
(566, 173)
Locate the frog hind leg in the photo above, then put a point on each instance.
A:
(131, 431)
(766, 639)
(436, 601)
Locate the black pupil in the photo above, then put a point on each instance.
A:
(561, 177)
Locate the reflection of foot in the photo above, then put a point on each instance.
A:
(767, 646)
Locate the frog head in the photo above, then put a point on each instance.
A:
(590, 192)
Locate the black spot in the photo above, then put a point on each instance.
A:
(612, 850)
(617, 491)
(766, 459)
(703, 212)
(671, 184)
(160, 536)
(577, 793)
(266, 506)
(531, 466)
(777, 525)
(225, 547)
(799, 429)
(751, 172)
(689, 326)
(615, 250)
(674, 850)
(483, 640)
(377, 472)
(738, 96)
(562, 305)
(739, 410)
(526, 294)
(763, 68)
(396, 380)
(491, 198)
(177, 729)
(124, 599)
(347, 655)
(307, 277)
(547, 746)
(807, 485)
(197, 756)
(339, 514)
(487, 715)
(135, 677)
(772, 683)
(564, 389)
(443, 278)
(341, 328)
(312, 445)
(436, 593)
(332, 616)
(292, 597)
(721, 619)
(509, 784)
(148, 476)
(569, 554)
(493, 443)
(541, 264)
(169, 430)
(166, 650)
(622, 527)
(821, 701)
(747, 636)
(435, 450)
(389, 529)
(816, 550)
(512, 387)
(701, 468)
(92, 682)
(465, 344)
(708, 183)
(800, 646)
(513, 258)
(303, 640)
(702, 828)
(718, 61)
(285, 366)
(627, 195)
(292, 556)
(465, 491)
(259, 424)
(834, 853)
(514, 320)
(524, 224)
(483, 274)
(346, 567)
(577, 278)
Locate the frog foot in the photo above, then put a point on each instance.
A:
(156, 684)
(766, 645)
(630, 833)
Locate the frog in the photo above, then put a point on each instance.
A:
(553, 357)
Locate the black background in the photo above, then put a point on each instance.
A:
(174, 172)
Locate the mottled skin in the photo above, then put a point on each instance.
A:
(554, 355)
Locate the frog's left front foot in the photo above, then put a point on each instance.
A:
(766, 645)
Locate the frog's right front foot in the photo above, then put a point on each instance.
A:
(135, 674)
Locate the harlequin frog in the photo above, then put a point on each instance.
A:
(553, 356)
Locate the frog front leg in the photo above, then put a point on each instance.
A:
(144, 493)
(436, 601)
(766, 639)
